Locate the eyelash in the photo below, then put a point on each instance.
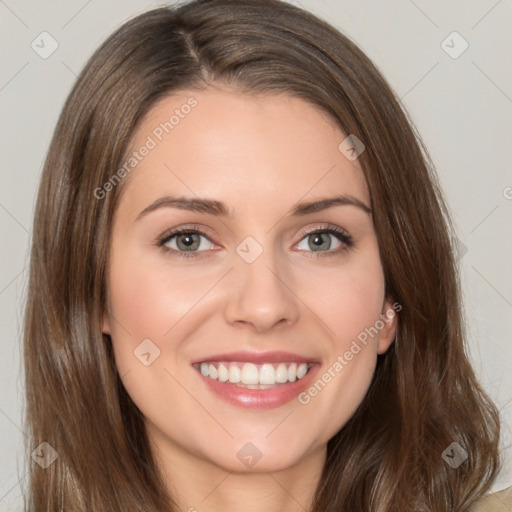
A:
(345, 238)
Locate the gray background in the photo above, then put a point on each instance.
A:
(461, 106)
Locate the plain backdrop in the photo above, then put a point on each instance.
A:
(458, 97)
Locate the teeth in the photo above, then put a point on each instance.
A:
(267, 374)
(292, 372)
(223, 373)
(254, 376)
(250, 374)
(234, 374)
(301, 371)
(212, 371)
(281, 373)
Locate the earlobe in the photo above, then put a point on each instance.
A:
(389, 319)
(106, 324)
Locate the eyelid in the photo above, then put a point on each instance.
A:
(324, 227)
(169, 233)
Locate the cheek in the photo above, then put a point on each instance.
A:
(347, 299)
(149, 298)
(145, 304)
(153, 299)
(349, 302)
(356, 305)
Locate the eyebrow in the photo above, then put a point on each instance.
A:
(219, 209)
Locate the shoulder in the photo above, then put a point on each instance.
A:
(500, 501)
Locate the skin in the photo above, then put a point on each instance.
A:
(260, 155)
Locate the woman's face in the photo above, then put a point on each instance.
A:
(271, 278)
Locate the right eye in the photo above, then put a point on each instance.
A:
(184, 242)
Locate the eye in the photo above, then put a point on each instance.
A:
(320, 240)
(184, 242)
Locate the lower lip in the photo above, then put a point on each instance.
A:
(260, 398)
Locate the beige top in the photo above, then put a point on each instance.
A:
(500, 501)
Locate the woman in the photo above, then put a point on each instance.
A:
(242, 288)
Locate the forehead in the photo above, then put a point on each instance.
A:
(243, 149)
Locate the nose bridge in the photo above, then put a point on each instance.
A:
(259, 293)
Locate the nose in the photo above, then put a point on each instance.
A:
(261, 295)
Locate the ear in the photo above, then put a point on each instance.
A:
(106, 324)
(389, 317)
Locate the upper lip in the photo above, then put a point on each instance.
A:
(257, 357)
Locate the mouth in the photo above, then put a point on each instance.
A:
(253, 376)
(257, 381)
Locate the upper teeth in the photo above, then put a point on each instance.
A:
(249, 373)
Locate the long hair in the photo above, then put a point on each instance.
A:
(424, 395)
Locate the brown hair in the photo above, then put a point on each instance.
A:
(424, 394)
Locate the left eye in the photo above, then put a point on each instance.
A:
(320, 241)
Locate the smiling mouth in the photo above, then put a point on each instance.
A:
(253, 376)
(255, 386)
